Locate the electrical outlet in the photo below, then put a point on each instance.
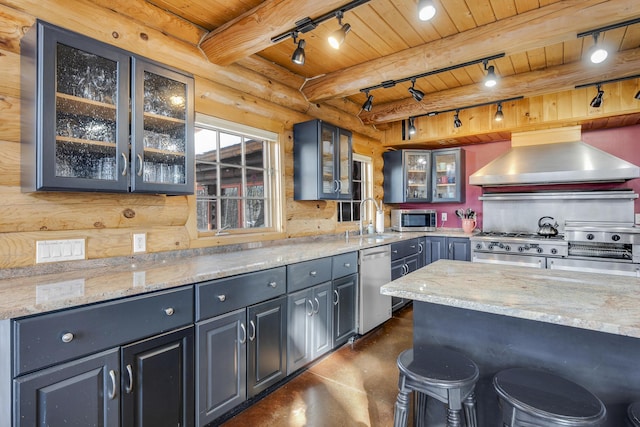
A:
(59, 250)
(140, 242)
(637, 219)
(444, 217)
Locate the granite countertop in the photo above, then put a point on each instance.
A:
(598, 302)
(35, 293)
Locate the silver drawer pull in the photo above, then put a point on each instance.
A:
(313, 273)
(346, 264)
(169, 311)
(222, 298)
(68, 337)
(129, 387)
(273, 284)
(113, 392)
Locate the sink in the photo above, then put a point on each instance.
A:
(380, 237)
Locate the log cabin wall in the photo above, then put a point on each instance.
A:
(108, 221)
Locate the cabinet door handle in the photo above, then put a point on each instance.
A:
(113, 392)
(337, 300)
(169, 311)
(313, 273)
(126, 164)
(336, 185)
(347, 265)
(317, 309)
(310, 313)
(67, 337)
(252, 335)
(139, 173)
(222, 298)
(273, 284)
(129, 387)
(244, 333)
(420, 248)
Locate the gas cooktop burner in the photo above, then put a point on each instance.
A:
(517, 235)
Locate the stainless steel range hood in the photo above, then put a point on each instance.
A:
(554, 163)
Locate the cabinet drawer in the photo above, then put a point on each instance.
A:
(344, 265)
(404, 249)
(224, 295)
(56, 337)
(308, 273)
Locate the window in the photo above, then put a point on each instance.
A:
(237, 184)
(362, 188)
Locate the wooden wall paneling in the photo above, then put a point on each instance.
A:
(9, 118)
(10, 72)
(9, 166)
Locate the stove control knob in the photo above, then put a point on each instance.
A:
(554, 251)
(490, 247)
(520, 249)
(590, 236)
(478, 246)
(500, 245)
(507, 248)
(539, 250)
(615, 237)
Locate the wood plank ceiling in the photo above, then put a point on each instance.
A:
(542, 53)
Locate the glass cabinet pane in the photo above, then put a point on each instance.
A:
(418, 172)
(345, 164)
(327, 161)
(85, 116)
(445, 177)
(165, 127)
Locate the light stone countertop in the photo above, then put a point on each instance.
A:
(598, 302)
(40, 293)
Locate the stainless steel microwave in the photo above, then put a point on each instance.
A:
(413, 219)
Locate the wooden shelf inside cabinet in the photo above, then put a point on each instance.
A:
(84, 107)
(449, 184)
(155, 152)
(97, 144)
(159, 122)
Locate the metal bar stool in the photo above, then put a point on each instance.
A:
(633, 412)
(443, 374)
(532, 398)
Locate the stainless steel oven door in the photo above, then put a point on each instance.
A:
(595, 266)
(509, 259)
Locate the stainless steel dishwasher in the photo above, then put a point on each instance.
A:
(375, 271)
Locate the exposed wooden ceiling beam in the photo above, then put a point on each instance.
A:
(538, 28)
(549, 80)
(252, 31)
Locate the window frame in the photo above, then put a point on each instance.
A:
(367, 191)
(272, 156)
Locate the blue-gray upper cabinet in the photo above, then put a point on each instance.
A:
(407, 176)
(448, 176)
(97, 118)
(321, 161)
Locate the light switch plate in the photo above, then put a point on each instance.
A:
(139, 242)
(59, 250)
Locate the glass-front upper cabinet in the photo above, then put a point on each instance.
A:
(162, 129)
(76, 118)
(407, 176)
(321, 161)
(448, 173)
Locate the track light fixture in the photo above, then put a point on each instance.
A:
(337, 37)
(412, 126)
(416, 93)
(456, 120)
(596, 102)
(368, 104)
(490, 80)
(298, 56)
(597, 53)
(499, 114)
(426, 10)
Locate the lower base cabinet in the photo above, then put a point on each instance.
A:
(310, 320)
(345, 300)
(148, 383)
(455, 248)
(238, 355)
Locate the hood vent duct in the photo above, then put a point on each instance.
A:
(554, 163)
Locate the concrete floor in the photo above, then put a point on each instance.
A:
(352, 387)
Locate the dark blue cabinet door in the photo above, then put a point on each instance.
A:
(344, 310)
(81, 393)
(157, 381)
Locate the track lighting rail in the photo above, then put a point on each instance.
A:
(609, 27)
(458, 109)
(307, 24)
(602, 82)
(391, 83)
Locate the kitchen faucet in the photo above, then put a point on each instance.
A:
(378, 208)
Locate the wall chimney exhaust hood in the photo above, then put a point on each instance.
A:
(542, 157)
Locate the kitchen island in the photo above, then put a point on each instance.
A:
(583, 326)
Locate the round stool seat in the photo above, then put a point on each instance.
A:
(440, 373)
(634, 414)
(532, 395)
(440, 367)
